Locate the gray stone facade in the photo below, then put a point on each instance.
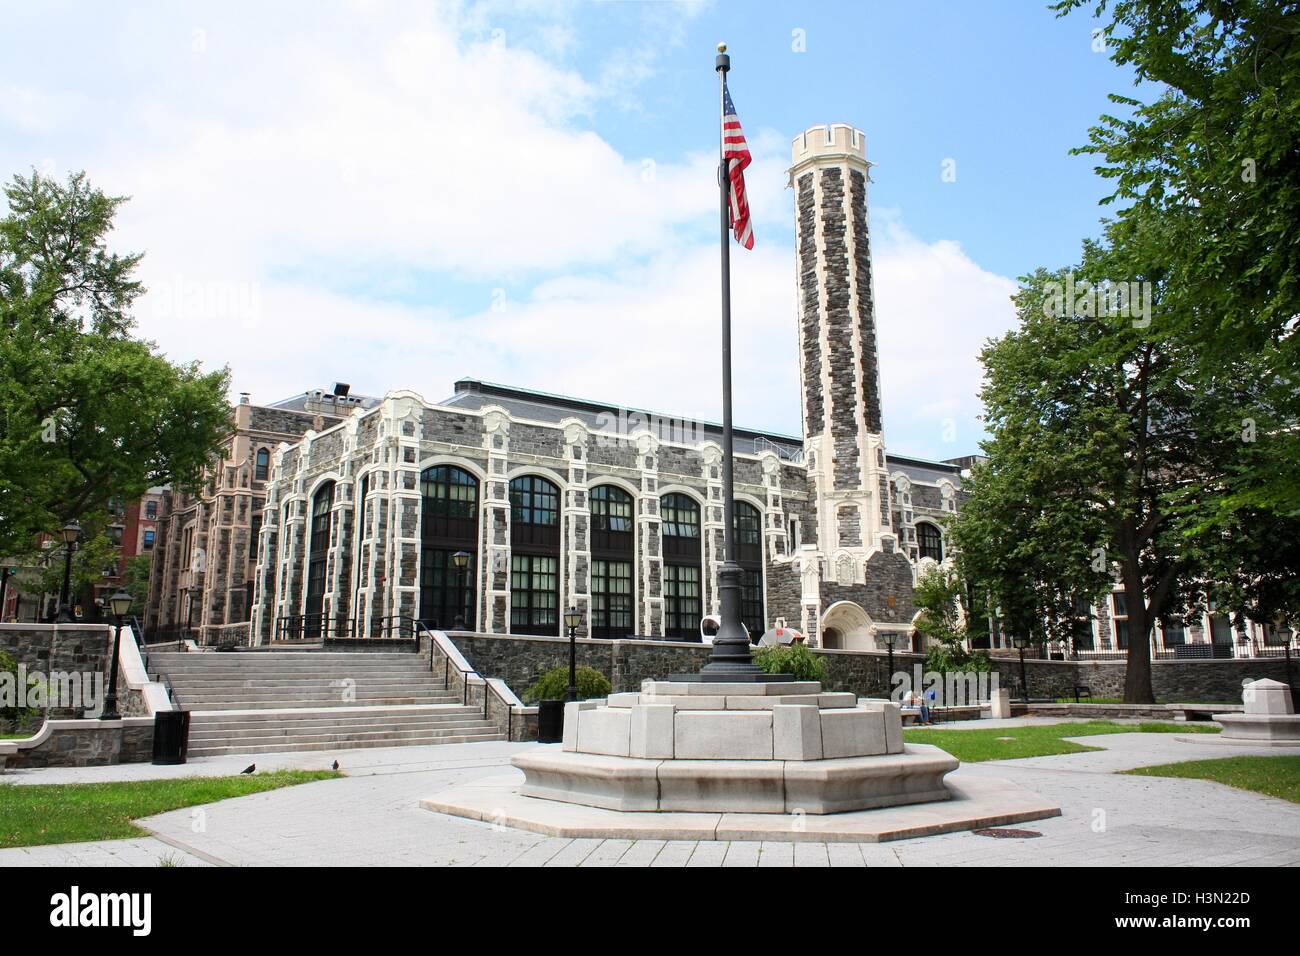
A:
(836, 550)
(202, 569)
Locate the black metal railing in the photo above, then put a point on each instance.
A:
(168, 634)
(465, 673)
(313, 627)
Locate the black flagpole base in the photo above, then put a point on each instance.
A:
(731, 661)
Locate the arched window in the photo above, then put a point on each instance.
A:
(930, 540)
(612, 559)
(534, 556)
(318, 543)
(683, 598)
(448, 524)
(749, 555)
(262, 466)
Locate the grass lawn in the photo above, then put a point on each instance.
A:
(1120, 700)
(1043, 740)
(71, 813)
(1275, 776)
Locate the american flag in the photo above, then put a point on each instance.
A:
(736, 152)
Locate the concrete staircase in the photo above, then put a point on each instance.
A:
(290, 701)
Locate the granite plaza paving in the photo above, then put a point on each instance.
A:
(372, 817)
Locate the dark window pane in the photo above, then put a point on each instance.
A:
(448, 524)
(534, 594)
(682, 601)
(681, 517)
(534, 501)
(930, 541)
(611, 598)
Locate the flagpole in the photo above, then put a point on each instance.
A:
(730, 659)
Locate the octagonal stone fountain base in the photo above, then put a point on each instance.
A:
(700, 760)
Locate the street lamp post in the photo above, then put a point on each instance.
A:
(1021, 642)
(461, 560)
(71, 535)
(573, 620)
(120, 603)
(6, 573)
(890, 638)
(1281, 634)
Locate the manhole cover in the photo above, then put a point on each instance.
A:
(1007, 833)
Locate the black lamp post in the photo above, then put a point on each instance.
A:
(120, 603)
(6, 573)
(890, 638)
(1021, 642)
(461, 560)
(1280, 635)
(71, 535)
(573, 620)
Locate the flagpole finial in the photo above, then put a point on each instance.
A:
(722, 48)
(723, 63)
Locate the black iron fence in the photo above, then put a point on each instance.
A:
(1174, 652)
(313, 627)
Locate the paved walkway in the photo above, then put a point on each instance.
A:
(372, 817)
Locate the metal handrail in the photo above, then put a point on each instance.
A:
(465, 672)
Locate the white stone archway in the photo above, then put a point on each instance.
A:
(846, 626)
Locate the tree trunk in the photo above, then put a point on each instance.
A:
(1137, 677)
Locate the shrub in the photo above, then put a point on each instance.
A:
(948, 658)
(17, 718)
(554, 684)
(794, 659)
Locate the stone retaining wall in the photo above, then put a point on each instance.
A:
(519, 660)
(84, 743)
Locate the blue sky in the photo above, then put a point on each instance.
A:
(399, 194)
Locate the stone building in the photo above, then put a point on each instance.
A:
(201, 573)
(500, 507)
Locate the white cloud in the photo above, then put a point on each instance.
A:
(387, 148)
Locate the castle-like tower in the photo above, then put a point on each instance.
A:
(839, 372)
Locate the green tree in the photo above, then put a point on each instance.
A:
(945, 615)
(95, 559)
(87, 413)
(135, 581)
(1215, 158)
(1105, 452)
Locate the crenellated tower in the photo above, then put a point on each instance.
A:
(839, 359)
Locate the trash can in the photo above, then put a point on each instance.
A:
(171, 736)
(550, 721)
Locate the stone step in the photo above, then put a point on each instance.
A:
(254, 692)
(324, 684)
(244, 704)
(210, 723)
(288, 747)
(337, 732)
(286, 673)
(284, 657)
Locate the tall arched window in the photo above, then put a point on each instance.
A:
(930, 540)
(612, 558)
(683, 599)
(318, 543)
(534, 556)
(262, 466)
(749, 555)
(448, 524)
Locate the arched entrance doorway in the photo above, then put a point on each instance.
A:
(848, 625)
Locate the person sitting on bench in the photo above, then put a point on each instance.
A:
(914, 700)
